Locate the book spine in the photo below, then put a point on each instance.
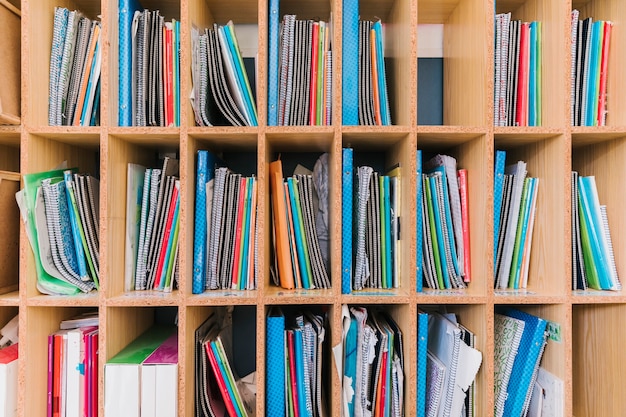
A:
(200, 225)
(350, 59)
(347, 219)
(419, 214)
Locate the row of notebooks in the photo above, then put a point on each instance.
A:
(226, 229)
(590, 42)
(370, 226)
(592, 250)
(365, 99)
(60, 209)
(303, 73)
(442, 223)
(296, 352)
(75, 64)
(300, 229)
(9, 350)
(517, 80)
(73, 372)
(447, 365)
(373, 364)
(142, 379)
(221, 95)
(519, 344)
(218, 389)
(149, 67)
(152, 227)
(515, 202)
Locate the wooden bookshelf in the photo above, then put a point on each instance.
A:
(589, 355)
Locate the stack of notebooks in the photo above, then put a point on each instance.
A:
(225, 234)
(451, 364)
(73, 369)
(443, 223)
(300, 72)
(520, 340)
(589, 67)
(149, 67)
(515, 200)
(218, 390)
(60, 209)
(9, 368)
(299, 261)
(221, 91)
(295, 355)
(152, 226)
(75, 64)
(373, 364)
(371, 227)
(142, 379)
(517, 98)
(365, 100)
(592, 250)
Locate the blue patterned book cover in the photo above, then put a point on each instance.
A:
(127, 9)
(346, 221)
(525, 366)
(498, 181)
(422, 349)
(272, 70)
(350, 63)
(275, 363)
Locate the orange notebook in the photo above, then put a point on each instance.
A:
(279, 210)
(86, 72)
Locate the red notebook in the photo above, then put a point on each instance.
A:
(521, 118)
(462, 174)
(604, 66)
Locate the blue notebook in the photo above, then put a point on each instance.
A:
(346, 221)
(350, 63)
(127, 9)
(422, 353)
(524, 373)
(272, 62)
(419, 219)
(386, 217)
(275, 363)
(205, 171)
(498, 181)
(382, 76)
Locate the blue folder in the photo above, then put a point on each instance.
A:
(272, 64)
(526, 362)
(275, 363)
(350, 63)
(127, 9)
(498, 182)
(422, 350)
(419, 219)
(346, 221)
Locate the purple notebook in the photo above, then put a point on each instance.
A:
(166, 353)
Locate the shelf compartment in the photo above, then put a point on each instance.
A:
(38, 21)
(554, 358)
(118, 152)
(294, 150)
(471, 151)
(244, 355)
(611, 10)
(597, 360)
(9, 229)
(467, 54)
(383, 152)
(556, 57)
(245, 16)
(604, 160)
(240, 154)
(110, 64)
(330, 383)
(479, 320)
(549, 160)
(42, 152)
(41, 322)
